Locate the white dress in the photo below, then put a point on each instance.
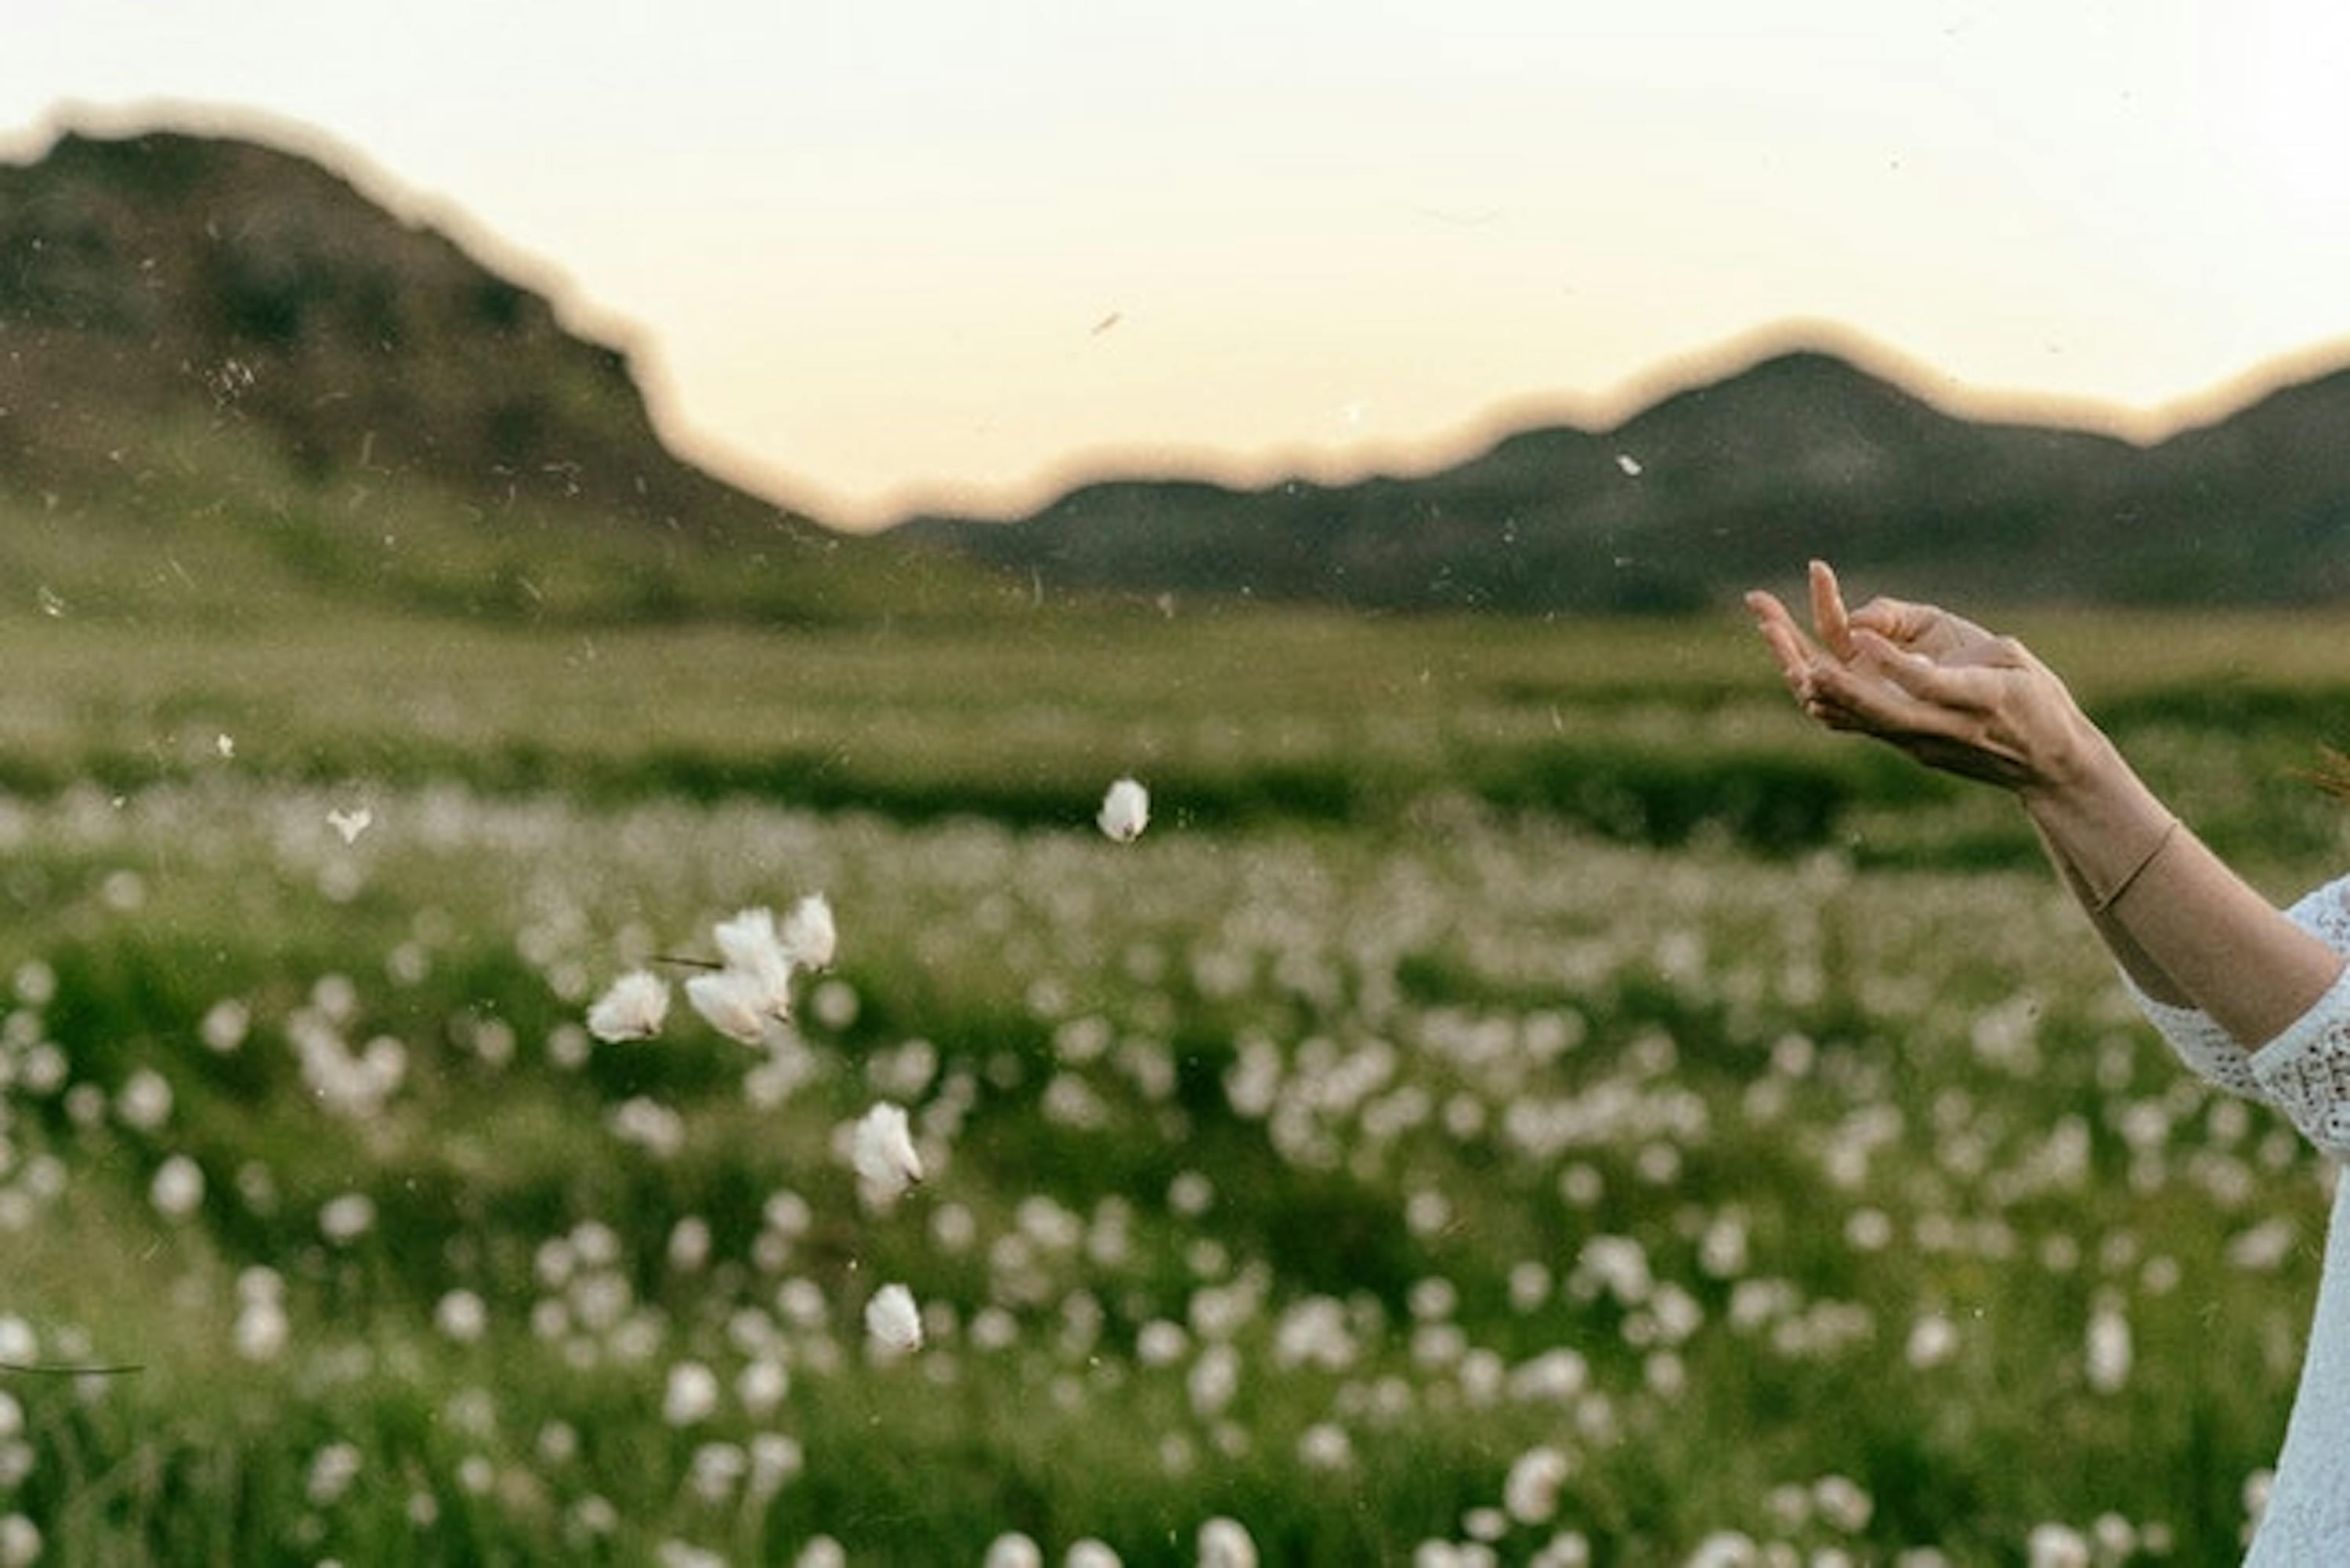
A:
(2305, 1072)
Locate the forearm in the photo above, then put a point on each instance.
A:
(2186, 928)
(2145, 974)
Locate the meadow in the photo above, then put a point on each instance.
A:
(1524, 1100)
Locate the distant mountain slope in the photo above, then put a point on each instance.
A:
(1721, 486)
(219, 335)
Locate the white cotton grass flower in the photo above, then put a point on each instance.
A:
(634, 1008)
(882, 1150)
(344, 1218)
(1531, 1491)
(690, 1395)
(2054, 1545)
(178, 1189)
(732, 1002)
(462, 1316)
(894, 1321)
(1225, 1542)
(2108, 1359)
(1014, 1548)
(1089, 1552)
(809, 937)
(1125, 811)
(20, 1542)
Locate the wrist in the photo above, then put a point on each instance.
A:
(2101, 817)
(2079, 768)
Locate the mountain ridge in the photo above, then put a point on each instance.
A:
(197, 326)
(1719, 484)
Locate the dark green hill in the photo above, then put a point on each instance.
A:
(1721, 486)
(222, 356)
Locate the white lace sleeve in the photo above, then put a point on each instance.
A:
(2306, 1070)
(2207, 1049)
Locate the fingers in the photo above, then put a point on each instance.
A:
(1829, 612)
(1788, 644)
(1936, 685)
(1895, 620)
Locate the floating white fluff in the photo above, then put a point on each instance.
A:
(809, 940)
(752, 946)
(1125, 811)
(633, 1008)
(732, 1002)
(893, 1320)
(883, 1150)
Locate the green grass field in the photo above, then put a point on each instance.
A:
(1525, 1094)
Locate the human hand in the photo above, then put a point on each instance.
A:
(1931, 684)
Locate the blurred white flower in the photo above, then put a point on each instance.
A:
(762, 1385)
(1013, 1550)
(2057, 1546)
(883, 1151)
(20, 1542)
(893, 1320)
(809, 940)
(717, 1468)
(224, 1025)
(633, 1008)
(1125, 811)
(145, 1100)
(1089, 1552)
(2256, 1487)
(332, 1470)
(692, 1394)
(1933, 1339)
(1726, 1549)
(346, 1219)
(774, 1460)
(461, 1315)
(1226, 1544)
(1531, 1491)
(1842, 1504)
(1567, 1549)
(1325, 1446)
(689, 1244)
(261, 1330)
(732, 1002)
(2108, 1357)
(178, 1189)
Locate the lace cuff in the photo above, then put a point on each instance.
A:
(2306, 1070)
(2207, 1050)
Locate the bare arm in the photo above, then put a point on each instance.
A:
(2147, 975)
(2184, 926)
(2213, 938)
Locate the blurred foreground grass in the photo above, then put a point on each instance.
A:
(1508, 1042)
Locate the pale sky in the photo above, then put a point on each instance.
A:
(874, 254)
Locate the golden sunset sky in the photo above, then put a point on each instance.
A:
(872, 255)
